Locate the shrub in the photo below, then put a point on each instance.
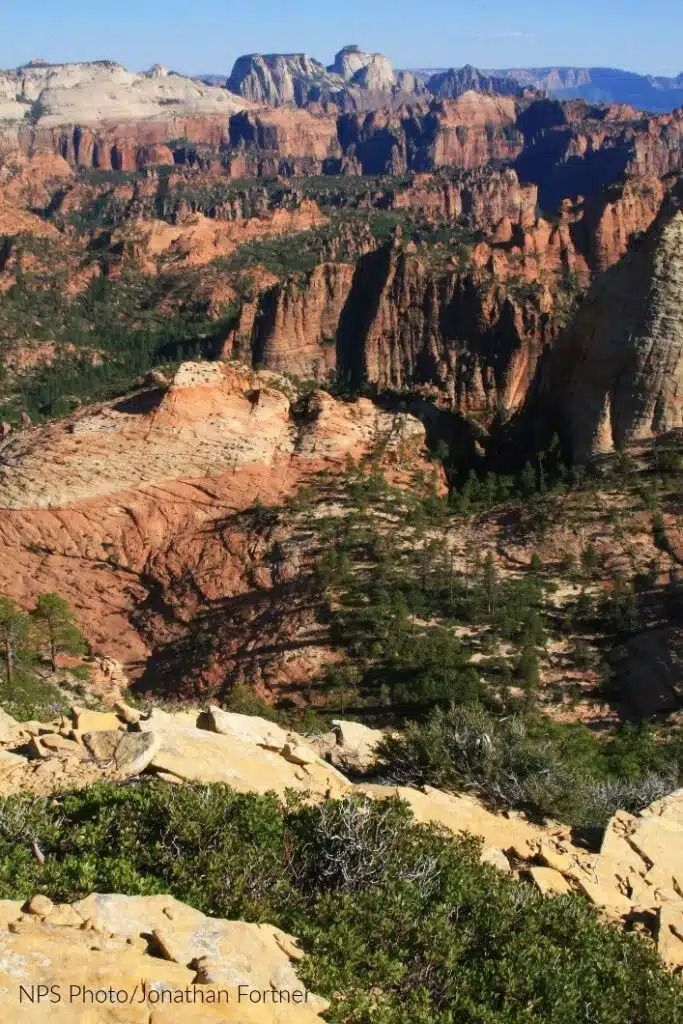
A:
(531, 763)
(401, 923)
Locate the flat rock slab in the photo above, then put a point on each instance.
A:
(356, 745)
(95, 721)
(10, 762)
(129, 752)
(198, 755)
(549, 881)
(463, 814)
(249, 728)
(105, 941)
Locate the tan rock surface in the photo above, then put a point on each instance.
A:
(246, 727)
(126, 752)
(549, 881)
(196, 754)
(355, 745)
(619, 371)
(85, 93)
(644, 853)
(670, 934)
(85, 720)
(638, 871)
(463, 814)
(113, 941)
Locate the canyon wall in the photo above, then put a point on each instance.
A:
(618, 370)
(566, 149)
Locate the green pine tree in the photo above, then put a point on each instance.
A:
(58, 626)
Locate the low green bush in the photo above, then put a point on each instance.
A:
(401, 922)
(528, 762)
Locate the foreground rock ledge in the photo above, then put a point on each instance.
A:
(635, 880)
(146, 959)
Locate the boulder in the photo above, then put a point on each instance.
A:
(299, 754)
(495, 859)
(549, 881)
(34, 728)
(35, 748)
(191, 754)
(609, 899)
(127, 714)
(250, 728)
(84, 720)
(40, 905)
(641, 856)
(357, 745)
(55, 743)
(10, 762)
(670, 934)
(8, 727)
(128, 752)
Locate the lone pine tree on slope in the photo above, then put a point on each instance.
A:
(57, 623)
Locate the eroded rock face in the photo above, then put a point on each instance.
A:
(278, 79)
(619, 371)
(292, 327)
(141, 946)
(120, 506)
(454, 82)
(86, 93)
(354, 81)
(483, 200)
(392, 321)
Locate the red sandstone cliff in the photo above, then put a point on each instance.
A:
(133, 511)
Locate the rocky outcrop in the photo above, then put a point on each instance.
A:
(284, 135)
(573, 149)
(249, 754)
(369, 119)
(448, 85)
(197, 240)
(354, 81)
(482, 198)
(615, 217)
(391, 321)
(292, 327)
(636, 877)
(125, 145)
(618, 373)
(467, 132)
(87, 93)
(281, 79)
(161, 959)
(134, 510)
(475, 330)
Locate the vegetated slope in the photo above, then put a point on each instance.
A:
(161, 519)
(400, 922)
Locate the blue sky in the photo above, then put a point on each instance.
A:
(206, 35)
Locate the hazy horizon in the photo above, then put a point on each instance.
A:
(210, 35)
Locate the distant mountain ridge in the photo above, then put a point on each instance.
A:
(654, 93)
